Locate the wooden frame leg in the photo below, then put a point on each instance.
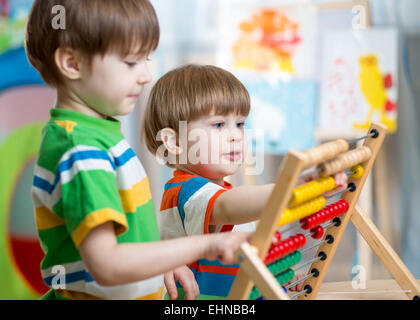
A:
(365, 255)
(263, 278)
(382, 195)
(385, 253)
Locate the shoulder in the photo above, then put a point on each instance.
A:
(64, 140)
(198, 189)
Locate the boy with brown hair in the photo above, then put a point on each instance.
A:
(194, 122)
(93, 206)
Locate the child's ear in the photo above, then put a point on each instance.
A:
(170, 140)
(68, 62)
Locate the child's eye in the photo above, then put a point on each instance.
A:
(240, 125)
(218, 125)
(130, 64)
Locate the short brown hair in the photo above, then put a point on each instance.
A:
(188, 93)
(92, 27)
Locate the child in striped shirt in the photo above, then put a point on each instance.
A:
(94, 211)
(194, 123)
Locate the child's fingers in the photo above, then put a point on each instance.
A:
(170, 285)
(189, 284)
(191, 290)
(223, 246)
(297, 287)
(340, 179)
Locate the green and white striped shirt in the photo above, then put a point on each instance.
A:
(87, 174)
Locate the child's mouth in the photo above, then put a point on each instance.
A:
(233, 156)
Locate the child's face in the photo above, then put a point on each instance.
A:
(113, 84)
(216, 145)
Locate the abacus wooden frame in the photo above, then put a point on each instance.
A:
(251, 256)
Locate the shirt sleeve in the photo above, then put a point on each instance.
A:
(90, 197)
(195, 204)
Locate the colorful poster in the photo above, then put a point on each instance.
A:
(267, 39)
(358, 81)
(271, 50)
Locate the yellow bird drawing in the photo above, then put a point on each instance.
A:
(373, 86)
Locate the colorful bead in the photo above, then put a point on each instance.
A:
(317, 232)
(311, 190)
(357, 171)
(329, 212)
(292, 214)
(291, 244)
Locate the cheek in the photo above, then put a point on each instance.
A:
(244, 145)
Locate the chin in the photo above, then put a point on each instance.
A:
(227, 171)
(126, 111)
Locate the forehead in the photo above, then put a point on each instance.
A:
(106, 60)
(212, 117)
(231, 115)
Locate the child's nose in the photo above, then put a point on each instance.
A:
(144, 75)
(235, 135)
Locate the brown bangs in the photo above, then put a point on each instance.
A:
(215, 90)
(125, 27)
(91, 26)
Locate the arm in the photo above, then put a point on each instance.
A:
(112, 264)
(240, 205)
(244, 204)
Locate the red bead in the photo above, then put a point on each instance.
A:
(317, 220)
(319, 216)
(286, 247)
(267, 257)
(317, 232)
(330, 212)
(323, 216)
(278, 236)
(305, 222)
(302, 240)
(292, 245)
(279, 250)
(346, 205)
(295, 242)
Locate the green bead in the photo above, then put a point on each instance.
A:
(298, 256)
(255, 293)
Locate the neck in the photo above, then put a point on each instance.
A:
(220, 181)
(70, 101)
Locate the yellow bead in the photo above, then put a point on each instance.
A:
(284, 217)
(297, 195)
(357, 171)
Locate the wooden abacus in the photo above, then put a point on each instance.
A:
(259, 258)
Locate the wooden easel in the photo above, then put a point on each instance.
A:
(251, 255)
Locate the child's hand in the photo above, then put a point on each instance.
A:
(298, 287)
(341, 179)
(186, 277)
(223, 245)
